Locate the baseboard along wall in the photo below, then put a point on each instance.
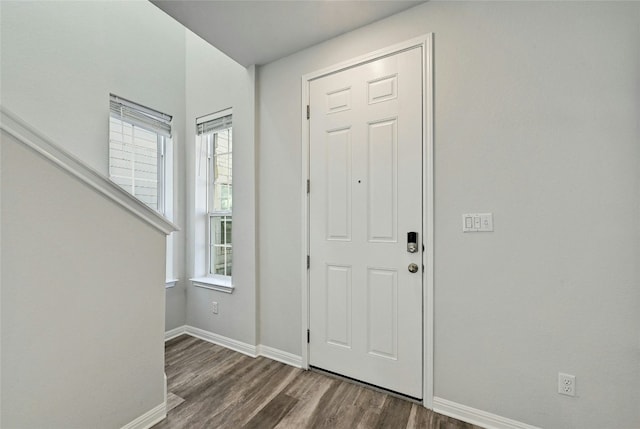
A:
(440, 405)
(244, 348)
(149, 418)
(475, 416)
(220, 340)
(280, 356)
(172, 333)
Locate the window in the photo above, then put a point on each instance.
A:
(138, 142)
(216, 135)
(141, 161)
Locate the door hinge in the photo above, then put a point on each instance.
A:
(308, 262)
(308, 337)
(308, 186)
(308, 112)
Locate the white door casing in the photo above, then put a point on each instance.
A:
(366, 174)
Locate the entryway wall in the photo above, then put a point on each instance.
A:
(214, 83)
(535, 121)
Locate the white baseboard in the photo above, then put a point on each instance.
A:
(475, 416)
(166, 389)
(247, 349)
(229, 343)
(280, 356)
(174, 333)
(149, 418)
(442, 406)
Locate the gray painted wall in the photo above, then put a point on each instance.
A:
(82, 336)
(536, 120)
(60, 61)
(215, 83)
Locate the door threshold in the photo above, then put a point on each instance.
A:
(364, 384)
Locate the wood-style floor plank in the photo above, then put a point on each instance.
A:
(395, 413)
(271, 414)
(213, 387)
(173, 401)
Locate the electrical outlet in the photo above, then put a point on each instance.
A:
(214, 307)
(566, 384)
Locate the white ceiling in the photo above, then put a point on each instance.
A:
(261, 31)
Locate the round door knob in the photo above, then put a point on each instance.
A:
(413, 268)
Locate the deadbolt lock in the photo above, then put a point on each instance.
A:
(412, 242)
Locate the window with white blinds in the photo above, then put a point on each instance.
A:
(216, 135)
(138, 138)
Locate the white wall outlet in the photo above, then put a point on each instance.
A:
(214, 307)
(566, 384)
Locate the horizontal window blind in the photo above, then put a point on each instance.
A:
(136, 114)
(214, 125)
(137, 140)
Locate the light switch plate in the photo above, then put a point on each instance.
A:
(467, 223)
(477, 222)
(486, 222)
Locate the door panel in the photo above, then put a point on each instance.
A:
(339, 185)
(339, 306)
(382, 313)
(365, 307)
(382, 169)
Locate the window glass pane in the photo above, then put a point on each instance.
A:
(222, 171)
(228, 250)
(227, 232)
(216, 226)
(146, 153)
(124, 183)
(219, 141)
(135, 161)
(147, 192)
(221, 259)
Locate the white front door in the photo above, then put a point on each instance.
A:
(365, 306)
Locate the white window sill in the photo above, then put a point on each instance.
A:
(221, 284)
(170, 283)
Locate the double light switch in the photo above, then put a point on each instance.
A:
(477, 222)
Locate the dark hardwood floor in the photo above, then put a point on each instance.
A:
(213, 387)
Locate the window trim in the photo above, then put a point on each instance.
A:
(154, 121)
(216, 281)
(219, 283)
(202, 278)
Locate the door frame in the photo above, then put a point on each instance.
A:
(426, 43)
